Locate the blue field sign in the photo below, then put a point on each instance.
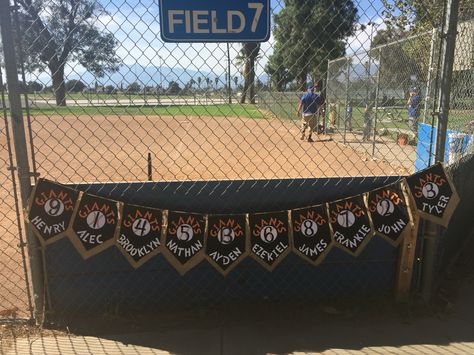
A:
(215, 20)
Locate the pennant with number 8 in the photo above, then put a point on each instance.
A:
(312, 237)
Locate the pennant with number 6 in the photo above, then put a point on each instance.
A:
(51, 209)
(226, 242)
(183, 244)
(95, 225)
(269, 238)
(312, 238)
(433, 194)
(140, 233)
(390, 212)
(350, 224)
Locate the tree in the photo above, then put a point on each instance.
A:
(34, 86)
(236, 81)
(110, 89)
(199, 82)
(173, 88)
(216, 81)
(75, 86)
(248, 56)
(58, 32)
(416, 15)
(275, 68)
(133, 87)
(308, 33)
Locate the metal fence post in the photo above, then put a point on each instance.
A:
(376, 108)
(429, 80)
(21, 153)
(448, 39)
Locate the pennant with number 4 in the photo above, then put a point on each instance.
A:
(140, 233)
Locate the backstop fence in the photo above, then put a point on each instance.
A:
(92, 97)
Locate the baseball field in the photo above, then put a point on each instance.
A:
(91, 144)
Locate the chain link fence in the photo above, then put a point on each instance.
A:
(107, 102)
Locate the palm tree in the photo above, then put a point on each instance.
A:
(216, 81)
(199, 82)
(246, 59)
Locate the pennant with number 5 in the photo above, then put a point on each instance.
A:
(183, 244)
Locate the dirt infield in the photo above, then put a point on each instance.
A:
(115, 148)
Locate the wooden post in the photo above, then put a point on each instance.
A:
(150, 168)
(406, 262)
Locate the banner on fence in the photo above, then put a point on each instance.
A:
(351, 224)
(312, 237)
(269, 238)
(226, 242)
(51, 209)
(433, 194)
(140, 233)
(390, 212)
(95, 225)
(184, 240)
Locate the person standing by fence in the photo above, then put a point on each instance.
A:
(367, 121)
(413, 105)
(309, 107)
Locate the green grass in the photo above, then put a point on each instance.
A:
(390, 119)
(232, 110)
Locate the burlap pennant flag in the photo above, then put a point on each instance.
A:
(269, 237)
(390, 211)
(51, 209)
(226, 241)
(95, 225)
(140, 233)
(312, 238)
(183, 242)
(351, 224)
(433, 194)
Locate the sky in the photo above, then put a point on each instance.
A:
(136, 26)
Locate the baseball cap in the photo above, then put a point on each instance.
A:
(310, 86)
